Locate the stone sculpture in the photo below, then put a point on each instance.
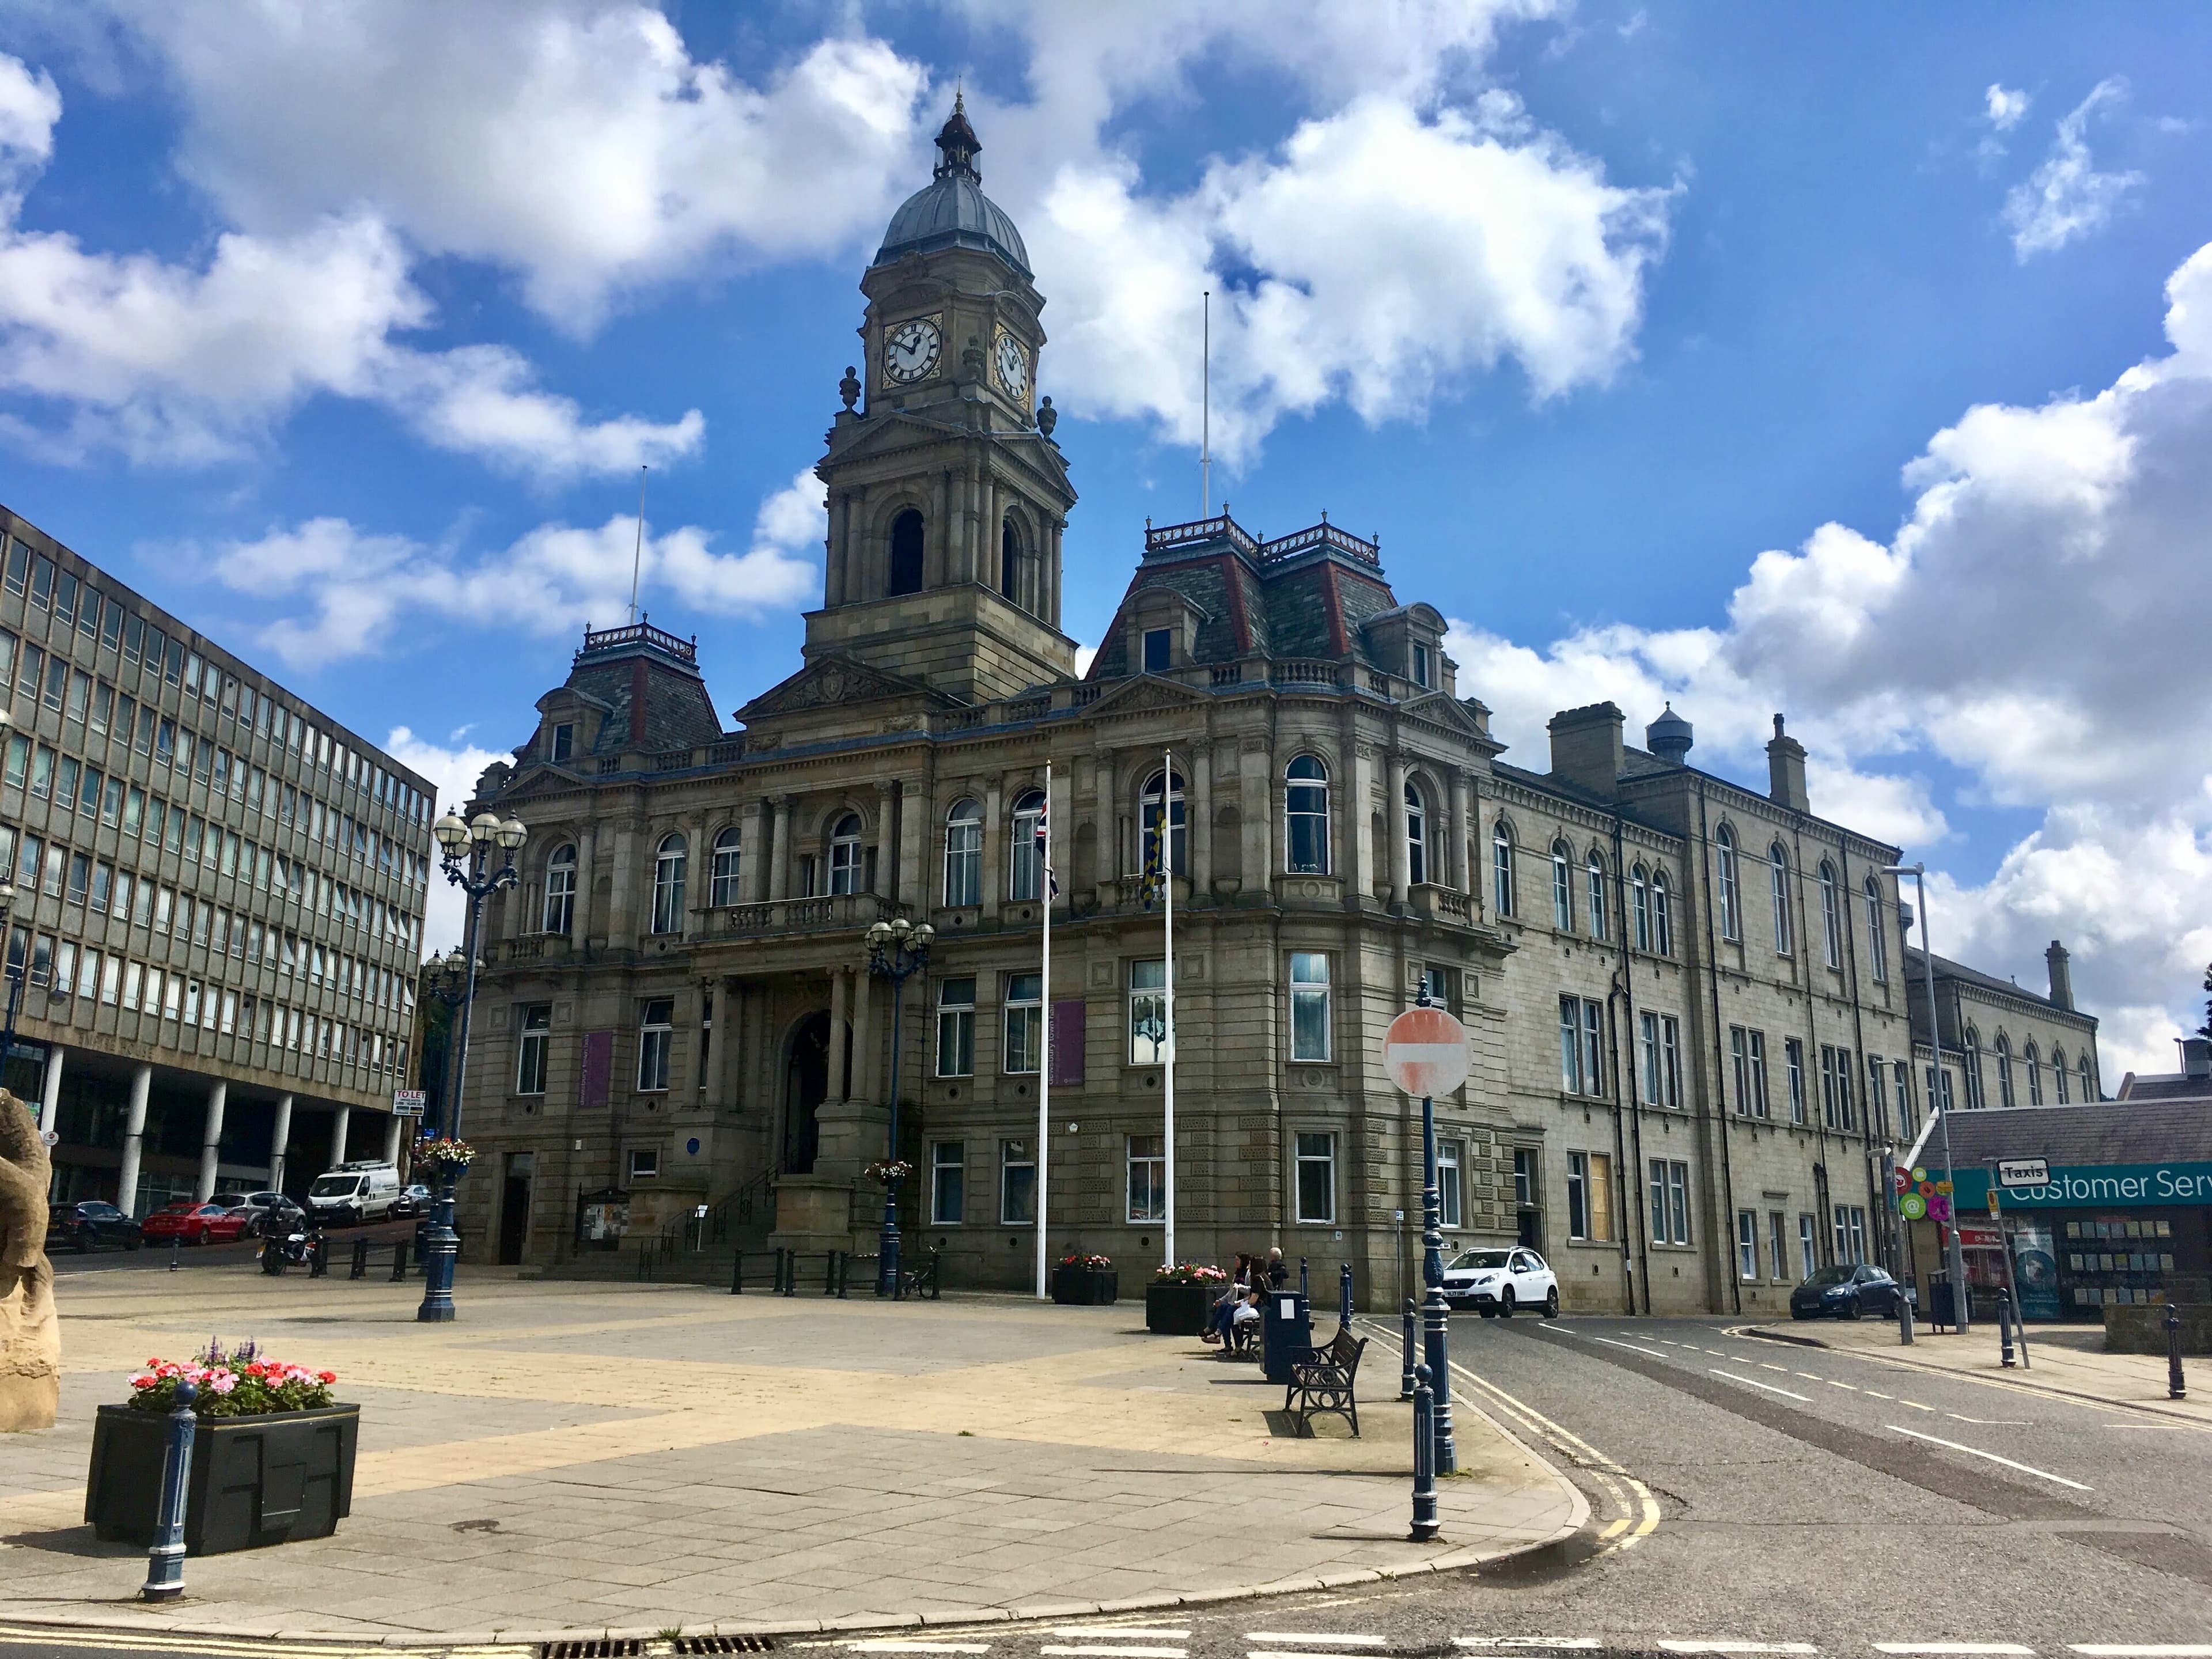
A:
(30, 1332)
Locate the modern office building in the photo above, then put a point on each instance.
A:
(218, 897)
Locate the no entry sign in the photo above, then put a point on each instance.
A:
(1425, 1051)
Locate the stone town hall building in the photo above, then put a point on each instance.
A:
(1685, 998)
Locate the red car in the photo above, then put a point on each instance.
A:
(197, 1224)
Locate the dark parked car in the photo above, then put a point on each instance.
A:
(90, 1225)
(412, 1201)
(1845, 1292)
(271, 1212)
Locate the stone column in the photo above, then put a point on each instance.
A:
(995, 845)
(1394, 827)
(914, 832)
(840, 1009)
(717, 1031)
(391, 1139)
(210, 1141)
(1105, 823)
(779, 851)
(1198, 814)
(1358, 813)
(280, 1140)
(587, 841)
(134, 1140)
(1460, 830)
(699, 883)
(1052, 574)
(339, 1120)
(50, 1097)
(887, 841)
(753, 872)
(621, 907)
(1256, 785)
(866, 1071)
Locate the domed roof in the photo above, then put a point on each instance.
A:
(1669, 737)
(951, 210)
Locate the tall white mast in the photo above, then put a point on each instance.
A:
(1167, 886)
(1044, 1076)
(637, 551)
(1206, 406)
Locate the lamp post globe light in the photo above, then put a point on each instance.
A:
(897, 950)
(467, 851)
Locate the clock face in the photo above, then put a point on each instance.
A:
(1013, 367)
(911, 350)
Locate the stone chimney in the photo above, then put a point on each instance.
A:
(1587, 747)
(1785, 770)
(2062, 975)
(2196, 1059)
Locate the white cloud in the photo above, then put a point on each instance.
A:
(452, 768)
(2066, 198)
(2005, 106)
(2033, 624)
(346, 593)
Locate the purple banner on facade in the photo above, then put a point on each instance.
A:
(1067, 1044)
(598, 1068)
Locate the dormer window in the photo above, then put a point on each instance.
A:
(564, 741)
(1159, 649)
(1425, 673)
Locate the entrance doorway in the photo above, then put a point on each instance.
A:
(806, 1085)
(515, 1209)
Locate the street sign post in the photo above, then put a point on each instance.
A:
(1425, 1051)
(2023, 1172)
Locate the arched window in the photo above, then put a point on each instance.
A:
(2033, 1064)
(1973, 1069)
(1639, 906)
(1148, 822)
(668, 871)
(2004, 1070)
(1662, 916)
(728, 850)
(1026, 868)
(561, 890)
(2058, 1075)
(1596, 877)
(1501, 868)
(845, 854)
(1831, 917)
(1731, 905)
(1877, 933)
(2088, 1088)
(963, 854)
(1305, 808)
(1562, 887)
(1417, 835)
(1777, 868)
(906, 554)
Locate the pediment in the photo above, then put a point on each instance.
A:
(1445, 710)
(836, 682)
(899, 433)
(1144, 695)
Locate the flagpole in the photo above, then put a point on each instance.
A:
(1167, 883)
(1044, 1076)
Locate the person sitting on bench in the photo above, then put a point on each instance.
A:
(1244, 1310)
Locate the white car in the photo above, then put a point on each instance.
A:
(1498, 1283)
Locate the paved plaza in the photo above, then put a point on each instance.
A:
(585, 1457)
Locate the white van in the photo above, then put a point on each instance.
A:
(354, 1192)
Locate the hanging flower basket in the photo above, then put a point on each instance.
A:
(889, 1173)
(445, 1154)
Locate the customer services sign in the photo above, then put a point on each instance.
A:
(2090, 1184)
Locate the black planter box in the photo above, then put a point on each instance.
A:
(1086, 1287)
(1173, 1309)
(273, 1478)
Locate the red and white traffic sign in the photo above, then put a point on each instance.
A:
(1425, 1051)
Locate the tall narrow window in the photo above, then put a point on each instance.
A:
(1305, 806)
(2058, 1076)
(1877, 1095)
(1010, 565)
(564, 742)
(668, 872)
(1877, 934)
(845, 854)
(1831, 917)
(1451, 1192)
(1417, 834)
(724, 887)
(656, 1037)
(1160, 650)
(905, 573)
(1147, 1178)
(1017, 1183)
(2088, 1086)
(1731, 900)
(1571, 1045)
(1025, 867)
(1793, 1060)
(1562, 887)
(1639, 905)
(2031, 1064)
(1148, 1012)
(1501, 868)
(1577, 1195)
(956, 1027)
(1025, 1013)
(535, 1025)
(1316, 1176)
(963, 854)
(1425, 673)
(1148, 820)
(1310, 1023)
(1970, 1064)
(1777, 864)
(948, 1183)
(1662, 916)
(1596, 876)
(561, 890)
(1747, 1243)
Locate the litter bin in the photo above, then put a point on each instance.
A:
(1285, 1327)
(1942, 1305)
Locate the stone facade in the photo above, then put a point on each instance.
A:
(677, 1005)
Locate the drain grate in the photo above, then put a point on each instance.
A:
(600, 1647)
(638, 1647)
(723, 1644)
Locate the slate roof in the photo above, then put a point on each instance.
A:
(2172, 1086)
(2108, 1132)
(651, 686)
(1946, 969)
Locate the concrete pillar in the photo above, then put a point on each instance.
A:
(338, 1122)
(134, 1140)
(913, 830)
(211, 1140)
(1460, 830)
(391, 1139)
(995, 845)
(839, 1010)
(1052, 575)
(779, 851)
(280, 1141)
(50, 1096)
(622, 907)
(1257, 787)
(587, 849)
(1394, 827)
(865, 1069)
(887, 859)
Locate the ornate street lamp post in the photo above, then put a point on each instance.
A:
(897, 950)
(466, 850)
(446, 981)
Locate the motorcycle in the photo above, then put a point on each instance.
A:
(296, 1248)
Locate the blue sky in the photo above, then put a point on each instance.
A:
(1847, 362)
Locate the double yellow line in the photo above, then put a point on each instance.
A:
(152, 1639)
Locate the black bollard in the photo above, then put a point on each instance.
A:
(1405, 1358)
(319, 1255)
(737, 1273)
(165, 1561)
(830, 1272)
(844, 1271)
(360, 1269)
(1425, 1457)
(399, 1263)
(2175, 1389)
(1302, 1291)
(2004, 1327)
(175, 1262)
(1344, 1295)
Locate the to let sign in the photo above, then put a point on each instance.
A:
(1425, 1051)
(408, 1102)
(2023, 1172)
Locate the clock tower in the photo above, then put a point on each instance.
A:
(947, 495)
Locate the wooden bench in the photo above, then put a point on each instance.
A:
(1321, 1381)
